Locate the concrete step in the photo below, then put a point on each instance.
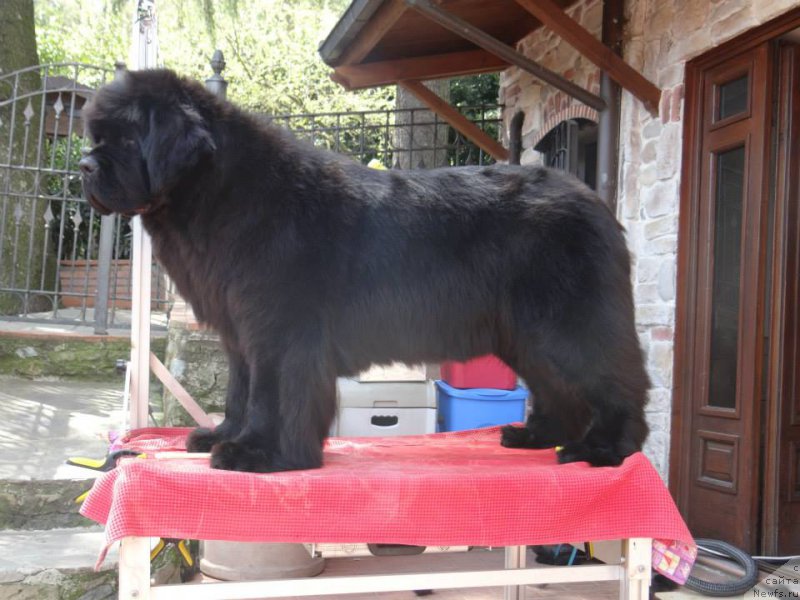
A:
(57, 564)
(42, 504)
(42, 423)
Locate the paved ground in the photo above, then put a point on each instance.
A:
(33, 551)
(42, 423)
(73, 325)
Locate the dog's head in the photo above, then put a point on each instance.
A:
(149, 133)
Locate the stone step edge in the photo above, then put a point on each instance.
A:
(42, 504)
(56, 563)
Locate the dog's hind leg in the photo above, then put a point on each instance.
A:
(604, 366)
(202, 439)
(545, 427)
(586, 370)
(540, 431)
(617, 396)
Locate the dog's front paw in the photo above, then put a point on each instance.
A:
(202, 439)
(233, 456)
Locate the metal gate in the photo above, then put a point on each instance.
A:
(50, 237)
(62, 262)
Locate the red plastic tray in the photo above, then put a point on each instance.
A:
(482, 372)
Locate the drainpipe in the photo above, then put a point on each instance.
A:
(609, 119)
(515, 138)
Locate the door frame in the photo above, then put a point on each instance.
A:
(687, 294)
(780, 495)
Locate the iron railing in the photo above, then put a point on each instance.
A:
(399, 139)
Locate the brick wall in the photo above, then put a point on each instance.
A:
(660, 36)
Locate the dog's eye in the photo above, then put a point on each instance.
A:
(126, 141)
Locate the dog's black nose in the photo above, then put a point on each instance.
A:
(87, 165)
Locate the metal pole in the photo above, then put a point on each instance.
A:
(144, 55)
(515, 138)
(608, 122)
(104, 256)
(104, 253)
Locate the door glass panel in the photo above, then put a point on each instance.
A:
(728, 204)
(733, 97)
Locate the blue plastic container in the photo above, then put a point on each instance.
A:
(478, 407)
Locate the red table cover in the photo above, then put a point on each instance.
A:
(444, 489)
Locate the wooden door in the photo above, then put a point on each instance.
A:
(722, 254)
(781, 510)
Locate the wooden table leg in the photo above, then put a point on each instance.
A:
(134, 568)
(637, 565)
(515, 559)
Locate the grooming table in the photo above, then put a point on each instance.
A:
(449, 489)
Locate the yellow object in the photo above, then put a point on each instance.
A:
(82, 497)
(89, 463)
(182, 546)
(104, 464)
(376, 164)
(157, 549)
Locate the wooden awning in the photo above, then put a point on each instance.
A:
(382, 42)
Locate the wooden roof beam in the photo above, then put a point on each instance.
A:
(507, 53)
(552, 16)
(372, 32)
(458, 121)
(452, 64)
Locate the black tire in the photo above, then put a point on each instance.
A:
(728, 588)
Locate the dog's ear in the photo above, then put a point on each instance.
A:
(176, 142)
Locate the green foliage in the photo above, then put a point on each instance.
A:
(270, 46)
(475, 90)
(476, 96)
(95, 32)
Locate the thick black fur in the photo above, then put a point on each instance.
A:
(311, 266)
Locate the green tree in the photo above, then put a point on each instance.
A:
(475, 90)
(96, 33)
(22, 229)
(270, 46)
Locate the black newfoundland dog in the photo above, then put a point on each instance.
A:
(311, 266)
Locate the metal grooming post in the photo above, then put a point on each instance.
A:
(144, 53)
(144, 56)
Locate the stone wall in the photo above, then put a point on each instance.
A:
(195, 357)
(660, 36)
(81, 357)
(545, 106)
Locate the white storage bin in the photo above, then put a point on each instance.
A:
(383, 422)
(384, 394)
